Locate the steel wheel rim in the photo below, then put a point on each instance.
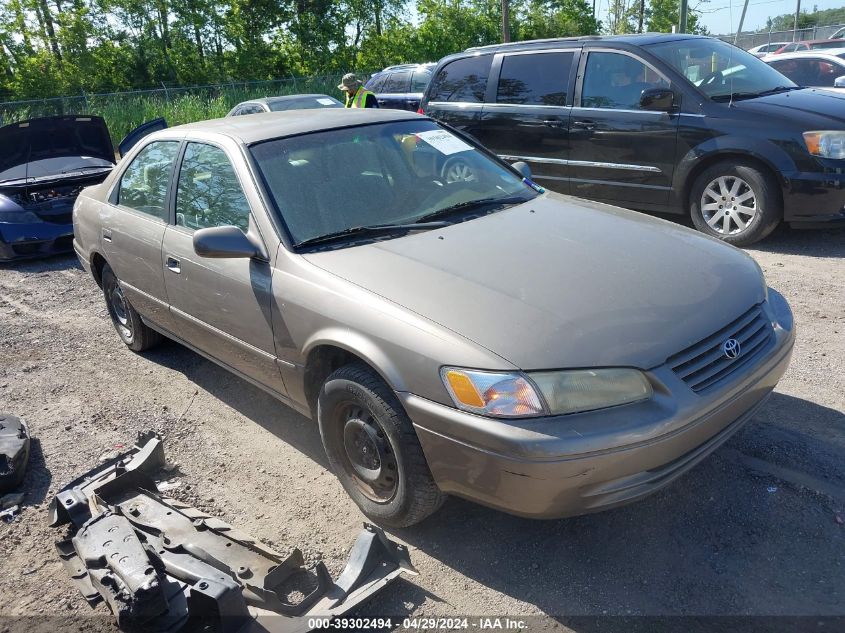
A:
(369, 459)
(729, 205)
(120, 312)
(459, 171)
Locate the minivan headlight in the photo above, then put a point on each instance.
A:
(830, 144)
(517, 395)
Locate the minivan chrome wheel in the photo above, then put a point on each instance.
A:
(458, 170)
(373, 448)
(728, 205)
(737, 200)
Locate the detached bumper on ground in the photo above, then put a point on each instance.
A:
(568, 465)
(37, 239)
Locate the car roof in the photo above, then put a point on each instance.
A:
(637, 39)
(269, 125)
(833, 53)
(281, 98)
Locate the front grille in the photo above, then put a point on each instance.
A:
(704, 365)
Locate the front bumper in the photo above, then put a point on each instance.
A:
(567, 465)
(814, 199)
(34, 239)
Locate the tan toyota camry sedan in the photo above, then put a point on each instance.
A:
(452, 327)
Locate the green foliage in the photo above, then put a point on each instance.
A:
(806, 20)
(662, 15)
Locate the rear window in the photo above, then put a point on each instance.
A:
(463, 80)
(535, 79)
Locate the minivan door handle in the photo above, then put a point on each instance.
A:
(554, 123)
(585, 125)
(107, 235)
(173, 265)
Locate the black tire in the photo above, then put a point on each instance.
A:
(356, 409)
(720, 214)
(126, 320)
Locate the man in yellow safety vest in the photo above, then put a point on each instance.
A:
(356, 95)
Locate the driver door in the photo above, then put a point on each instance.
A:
(221, 306)
(619, 152)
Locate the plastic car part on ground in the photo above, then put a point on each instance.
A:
(14, 451)
(161, 565)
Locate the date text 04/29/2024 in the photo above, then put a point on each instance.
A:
(419, 624)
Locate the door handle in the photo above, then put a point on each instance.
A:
(553, 123)
(107, 235)
(173, 265)
(585, 125)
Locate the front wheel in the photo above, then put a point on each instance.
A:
(131, 329)
(373, 449)
(735, 201)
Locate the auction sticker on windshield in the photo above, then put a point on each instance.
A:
(325, 101)
(443, 141)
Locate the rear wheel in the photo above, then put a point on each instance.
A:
(373, 449)
(131, 329)
(736, 202)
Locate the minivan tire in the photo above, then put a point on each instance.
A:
(132, 330)
(373, 449)
(743, 178)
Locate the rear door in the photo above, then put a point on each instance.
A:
(526, 116)
(221, 306)
(618, 151)
(456, 94)
(394, 90)
(133, 225)
(419, 82)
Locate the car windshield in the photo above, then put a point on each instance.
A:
(389, 174)
(721, 70)
(305, 103)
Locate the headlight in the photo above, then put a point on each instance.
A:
(511, 395)
(825, 144)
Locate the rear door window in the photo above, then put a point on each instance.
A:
(616, 81)
(143, 185)
(463, 80)
(397, 82)
(419, 80)
(535, 79)
(208, 193)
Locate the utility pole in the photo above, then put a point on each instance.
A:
(682, 26)
(795, 26)
(506, 22)
(741, 20)
(642, 12)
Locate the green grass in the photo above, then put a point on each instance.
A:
(125, 111)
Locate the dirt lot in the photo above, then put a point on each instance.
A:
(757, 529)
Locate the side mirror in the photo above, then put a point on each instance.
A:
(224, 242)
(523, 168)
(657, 99)
(839, 82)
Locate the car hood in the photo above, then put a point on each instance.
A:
(815, 106)
(560, 282)
(43, 140)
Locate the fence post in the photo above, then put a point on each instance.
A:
(166, 94)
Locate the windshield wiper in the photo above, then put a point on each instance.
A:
(752, 95)
(84, 167)
(371, 231)
(491, 203)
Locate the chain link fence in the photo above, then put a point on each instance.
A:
(750, 40)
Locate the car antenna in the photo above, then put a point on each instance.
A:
(731, 54)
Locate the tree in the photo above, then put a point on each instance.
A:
(662, 15)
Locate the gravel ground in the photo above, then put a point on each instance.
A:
(756, 529)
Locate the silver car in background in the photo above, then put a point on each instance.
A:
(536, 353)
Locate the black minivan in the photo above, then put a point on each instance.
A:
(658, 122)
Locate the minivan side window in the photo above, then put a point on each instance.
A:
(535, 79)
(420, 80)
(397, 82)
(463, 80)
(143, 186)
(208, 192)
(616, 81)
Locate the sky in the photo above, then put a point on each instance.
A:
(721, 17)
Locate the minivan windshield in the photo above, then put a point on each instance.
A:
(720, 70)
(390, 177)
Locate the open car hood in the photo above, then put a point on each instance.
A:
(53, 137)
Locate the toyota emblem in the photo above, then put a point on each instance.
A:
(730, 348)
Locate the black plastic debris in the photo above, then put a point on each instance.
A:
(14, 451)
(161, 565)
